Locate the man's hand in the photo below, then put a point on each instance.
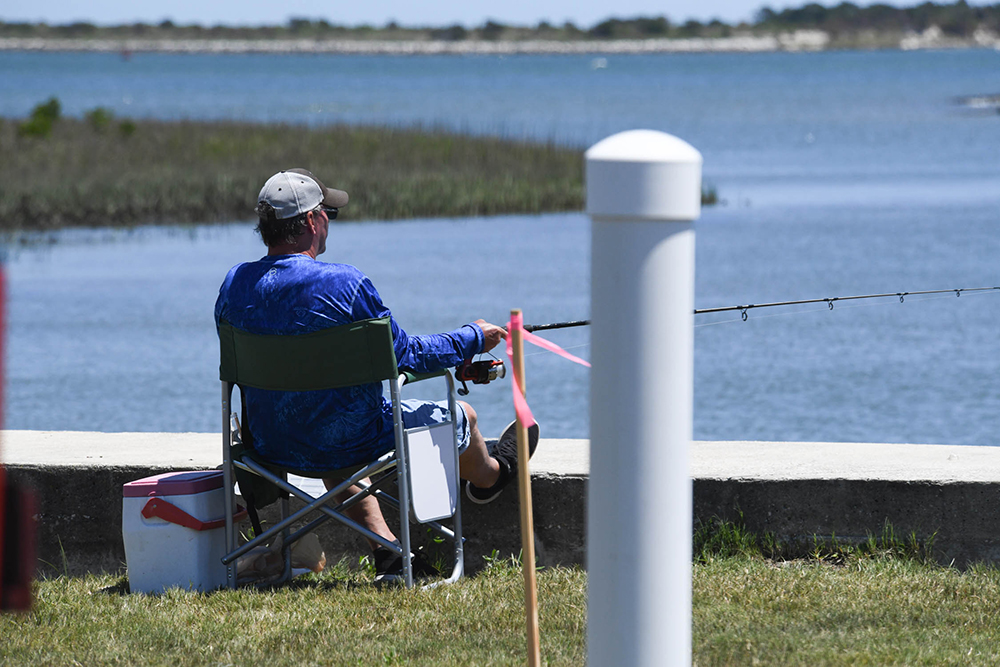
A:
(492, 334)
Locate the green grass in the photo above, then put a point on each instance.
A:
(330, 619)
(881, 601)
(747, 610)
(721, 539)
(104, 171)
(868, 611)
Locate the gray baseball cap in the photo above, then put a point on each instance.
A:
(296, 191)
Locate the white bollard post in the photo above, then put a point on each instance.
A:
(643, 195)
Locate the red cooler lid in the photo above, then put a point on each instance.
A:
(174, 484)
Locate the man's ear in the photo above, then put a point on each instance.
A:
(311, 221)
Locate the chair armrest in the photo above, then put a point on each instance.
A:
(410, 376)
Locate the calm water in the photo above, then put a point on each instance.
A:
(844, 173)
(844, 116)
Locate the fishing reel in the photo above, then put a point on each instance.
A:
(478, 372)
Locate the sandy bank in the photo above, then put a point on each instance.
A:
(801, 40)
(809, 40)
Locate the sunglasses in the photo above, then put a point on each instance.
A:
(330, 212)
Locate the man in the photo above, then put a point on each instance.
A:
(289, 291)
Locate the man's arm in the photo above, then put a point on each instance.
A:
(433, 352)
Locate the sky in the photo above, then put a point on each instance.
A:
(584, 13)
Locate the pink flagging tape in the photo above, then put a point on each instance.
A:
(520, 404)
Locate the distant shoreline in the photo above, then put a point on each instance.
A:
(793, 41)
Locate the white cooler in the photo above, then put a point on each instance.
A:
(174, 529)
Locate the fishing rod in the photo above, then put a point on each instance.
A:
(485, 371)
(530, 328)
(746, 307)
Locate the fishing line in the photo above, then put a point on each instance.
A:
(712, 324)
(571, 347)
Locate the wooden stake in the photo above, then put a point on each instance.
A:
(527, 520)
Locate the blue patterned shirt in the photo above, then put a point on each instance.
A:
(324, 430)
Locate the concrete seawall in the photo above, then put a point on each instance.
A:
(793, 490)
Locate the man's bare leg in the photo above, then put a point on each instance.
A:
(366, 512)
(475, 464)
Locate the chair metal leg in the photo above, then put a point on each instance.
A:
(459, 570)
(286, 544)
(227, 480)
(403, 504)
(402, 471)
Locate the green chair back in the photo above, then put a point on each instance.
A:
(342, 356)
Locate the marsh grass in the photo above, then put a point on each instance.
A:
(105, 171)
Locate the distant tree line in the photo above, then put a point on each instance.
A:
(959, 19)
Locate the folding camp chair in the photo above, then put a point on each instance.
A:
(424, 462)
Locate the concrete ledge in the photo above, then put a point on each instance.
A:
(850, 490)
(795, 490)
(79, 478)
